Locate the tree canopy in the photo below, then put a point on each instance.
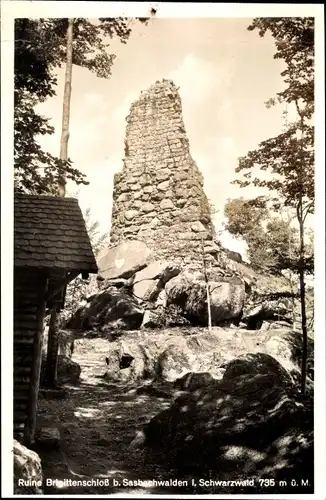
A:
(76, 289)
(243, 215)
(288, 157)
(40, 48)
(273, 244)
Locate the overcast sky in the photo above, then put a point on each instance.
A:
(225, 73)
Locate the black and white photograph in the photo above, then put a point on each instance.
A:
(163, 249)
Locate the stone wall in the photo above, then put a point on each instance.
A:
(158, 196)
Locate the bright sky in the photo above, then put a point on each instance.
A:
(225, 74)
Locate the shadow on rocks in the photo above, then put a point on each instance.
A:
(247, 425)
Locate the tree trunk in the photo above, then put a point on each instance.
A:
(66, 105)
(209, 308)
(52, 351)
(301, 219)
(208, 295)
(291, 272)
(303, 309)
(53, 340)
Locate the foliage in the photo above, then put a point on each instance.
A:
(212, 208)
(243, 216)
(40, 48)
(291, 163)
(294, 39)
(273, 243)
(34, 82)
(173, 316)
(283, 242)
(288, 158)
(213, 211)
(76, 290)
(98, 239)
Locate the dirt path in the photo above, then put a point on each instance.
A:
(97, 422)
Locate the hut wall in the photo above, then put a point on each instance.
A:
(29, 310)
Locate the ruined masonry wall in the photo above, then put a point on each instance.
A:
(158, 196)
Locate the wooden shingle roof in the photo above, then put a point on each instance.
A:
(50, 233)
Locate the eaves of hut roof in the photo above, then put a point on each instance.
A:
(50, 233)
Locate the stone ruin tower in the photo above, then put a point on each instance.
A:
(158, 197)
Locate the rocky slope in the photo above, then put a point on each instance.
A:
(134, 290)
(229, 408)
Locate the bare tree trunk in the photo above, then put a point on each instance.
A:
(52, 351)
(208, 295)
(66, 105)
(303, 308)
(209, 308)
(53, 339)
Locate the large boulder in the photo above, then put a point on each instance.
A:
(196, 353)
(28, 477)
(244, 426)
(286, 346)
(255, 314)
(174, 362)
(274, 325)
(146, 289)
(150, 281)
(123, 260)
(68, 370)
(111, 308)
(130, 360)
(260, 363)
(236, 256)
(184, 288)
(227, 301)
(164, 356)
(189, 292)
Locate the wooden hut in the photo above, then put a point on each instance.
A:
(51, 248)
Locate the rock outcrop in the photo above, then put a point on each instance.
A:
(247, 425)
(109, 309)
(160, 294)
(189, 292)
(123, 260)
(28, 477)
(170, 355)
